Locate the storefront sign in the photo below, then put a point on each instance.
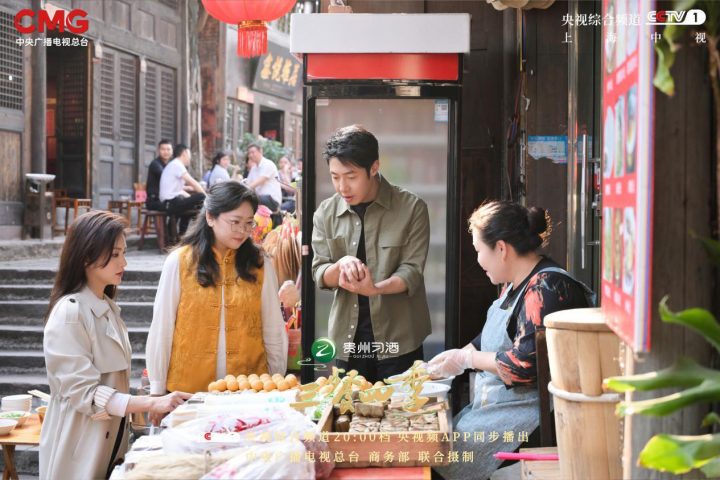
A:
(278, 73)
(627, 104)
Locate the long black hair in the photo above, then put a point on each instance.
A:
(526, 229)
(222, 197)
(90, 239)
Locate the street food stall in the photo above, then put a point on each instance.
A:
(250, 426)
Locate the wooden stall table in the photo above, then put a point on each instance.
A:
(28, 434)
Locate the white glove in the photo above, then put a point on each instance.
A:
(450, 363)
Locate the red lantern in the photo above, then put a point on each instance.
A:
(250, 17)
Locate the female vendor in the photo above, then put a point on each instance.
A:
(507, 237)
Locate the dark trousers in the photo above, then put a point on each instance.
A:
(155, 204)
(288, 205)
(269, 202)
(185, 208)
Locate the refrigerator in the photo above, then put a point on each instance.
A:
(410, 102)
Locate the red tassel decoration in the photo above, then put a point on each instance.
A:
(252, 38)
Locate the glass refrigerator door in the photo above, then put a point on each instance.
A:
(413, 138)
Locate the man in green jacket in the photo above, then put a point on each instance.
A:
(370, 242)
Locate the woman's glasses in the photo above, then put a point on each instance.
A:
(237, 226)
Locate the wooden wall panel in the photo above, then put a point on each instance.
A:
(683, 195)
(10, 160)
(547, 89)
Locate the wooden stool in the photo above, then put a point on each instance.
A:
(118, 205)
(67, 204)
(131, 204)
(127, 207)
(75, 203)
(81, 203)
(154, 222)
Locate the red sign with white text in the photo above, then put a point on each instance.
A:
(627, 105)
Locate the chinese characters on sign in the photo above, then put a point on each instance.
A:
(627, 174)
(618, 16)
(49, 42)
(278, 73)
(371, 348)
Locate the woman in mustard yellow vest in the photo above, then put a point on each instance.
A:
(217, 310)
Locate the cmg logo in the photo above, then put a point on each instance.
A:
(73, 21)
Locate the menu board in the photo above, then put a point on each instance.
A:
(627, 161)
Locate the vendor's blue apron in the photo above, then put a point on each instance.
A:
(497, 409)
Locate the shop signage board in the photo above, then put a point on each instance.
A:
(278, 73)
(627, 189)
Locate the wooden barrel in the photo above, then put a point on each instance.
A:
(582, 351)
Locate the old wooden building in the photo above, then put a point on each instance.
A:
(91, 107)
(111, 93)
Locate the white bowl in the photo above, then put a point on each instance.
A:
(19, 416)
(16, 402)
(11, 407)
(6, 426)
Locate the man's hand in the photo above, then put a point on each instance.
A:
(364, 287)
(352, 267)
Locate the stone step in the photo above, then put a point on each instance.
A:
(18, 383)
(23, 276)
(17, 338)
(126, 293)
(32, 362)
(32, 312)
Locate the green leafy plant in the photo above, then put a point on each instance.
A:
(680, 454)
(272, 149)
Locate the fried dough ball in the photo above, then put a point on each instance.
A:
(269, 386)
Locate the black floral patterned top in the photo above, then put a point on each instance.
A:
(546, 293)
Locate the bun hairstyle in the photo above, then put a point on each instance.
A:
(526, 229)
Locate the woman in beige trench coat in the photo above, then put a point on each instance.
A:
(88, 355)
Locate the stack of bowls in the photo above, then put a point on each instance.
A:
(16, 402)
